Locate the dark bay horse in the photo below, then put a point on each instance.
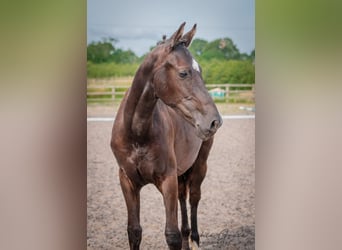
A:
(162, 134)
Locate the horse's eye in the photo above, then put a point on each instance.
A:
(183, 74)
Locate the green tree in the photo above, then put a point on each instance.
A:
(232, 71)
(252, 55)
(123, 56)
(105, 51)
(221, 49)
(220, 60)
(197, 47)
(102, 51)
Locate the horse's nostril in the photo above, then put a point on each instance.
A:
(214, 125)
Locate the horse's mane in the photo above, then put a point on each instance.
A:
(162, 41)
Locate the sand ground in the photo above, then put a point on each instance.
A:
(226, 214)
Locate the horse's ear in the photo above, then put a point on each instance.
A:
(177, 35)
(187, 38)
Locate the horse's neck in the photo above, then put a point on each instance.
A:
(142, 118)
(140, 105)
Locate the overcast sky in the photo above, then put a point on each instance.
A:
(139, 24)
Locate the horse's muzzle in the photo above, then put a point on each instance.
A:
(206, 131)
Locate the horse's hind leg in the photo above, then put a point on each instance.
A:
(196, 177)
(132, 198)
(182, 195)
(195, 196)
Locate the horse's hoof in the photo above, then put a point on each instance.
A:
(193, 245)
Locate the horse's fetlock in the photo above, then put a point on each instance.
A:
(195, 237)
(185, 231)
(174, 239)
(134, 234)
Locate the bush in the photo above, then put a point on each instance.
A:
(232, 71)
(103, 70)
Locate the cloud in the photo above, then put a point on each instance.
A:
(125, 21)
(124, 33)
(139, 39)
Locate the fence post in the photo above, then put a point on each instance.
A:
(227, 92)
(113, 93)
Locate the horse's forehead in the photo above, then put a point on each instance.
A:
(195, 65)
(188, 58)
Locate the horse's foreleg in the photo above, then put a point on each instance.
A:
(132, 198)
(169, 190)
(182, 194)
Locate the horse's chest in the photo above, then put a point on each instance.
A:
(140, 155)
(144, 160)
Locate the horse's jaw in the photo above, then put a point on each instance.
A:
(196, 120)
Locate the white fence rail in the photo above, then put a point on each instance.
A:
(220, 92)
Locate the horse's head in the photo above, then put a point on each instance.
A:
(179, 84)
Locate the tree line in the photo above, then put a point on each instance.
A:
(221, 61)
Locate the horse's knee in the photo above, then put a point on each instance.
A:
(174, 239)
(134, 235)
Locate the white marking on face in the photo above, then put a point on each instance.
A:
(195, 65)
